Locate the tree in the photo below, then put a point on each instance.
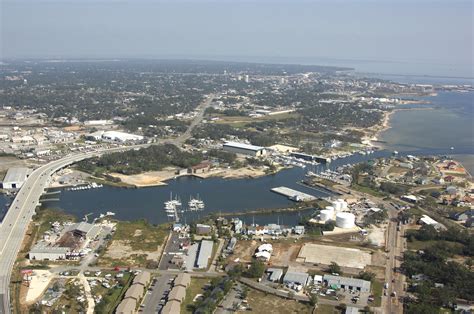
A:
(313, 299)
(334, 268)
(366, 275)
(256, 270)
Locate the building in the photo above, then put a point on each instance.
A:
(127, 306)
(115, 136)
(275, 274)
(347, 283)
(299, 230)
(135, 292)
(171, 307)
(43, 252)
(142, 278)
(295, 278)
(352, 310)
(203, 229)
(464, 216)
(307, 157)
(183, 280)
(15, 177)
(231, 245)
(244, 149)
(204, 254)
(85, 230)
(178, 293)
(202, 167)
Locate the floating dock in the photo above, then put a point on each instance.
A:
(294, 195)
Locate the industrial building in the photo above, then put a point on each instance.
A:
(244, 149)
(85, 230)
(347, 283)
(15, 177)
(204, 254)
(43, 252)
(307, 157)
(115, 136)
(295, 277)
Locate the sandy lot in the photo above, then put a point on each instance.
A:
(39, 282)
(122, 250)
(283, 254)
(150, 178)
(247, 172)
(325, 254)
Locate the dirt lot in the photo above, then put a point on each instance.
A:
(325, 254)
(10, 162)
(151, 178)
(284, 252)
(260, 302)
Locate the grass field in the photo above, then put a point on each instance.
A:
(48, 216)
(260, 302)
(141, 235)
(196, 287)
(112, 297)
(326, 309)
(367, 190)
(377, 290)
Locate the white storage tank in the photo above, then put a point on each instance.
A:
(345, 220)
(343, 204)
(325, 215)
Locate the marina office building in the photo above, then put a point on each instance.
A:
(244, 149)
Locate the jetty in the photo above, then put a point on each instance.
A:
(294, 195)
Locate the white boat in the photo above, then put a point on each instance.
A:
(195, 204)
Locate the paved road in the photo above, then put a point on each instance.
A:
(15, 223)
(152, 298)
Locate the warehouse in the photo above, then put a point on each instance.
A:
(15, 178)
(295, 278)
(85, 230)
(244, 149)
(205, 251)
(347, 283)
(43, 252)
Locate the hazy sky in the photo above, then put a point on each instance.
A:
(426, 32)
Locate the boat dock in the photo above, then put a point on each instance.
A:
(294, 195)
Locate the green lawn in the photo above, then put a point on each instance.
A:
(196, 287)
(367, 190)
(113, 296)
(326, 309)
(377, 290)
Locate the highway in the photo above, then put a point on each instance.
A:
(19, 215)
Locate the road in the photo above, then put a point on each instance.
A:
(19, 215)
(152, 299)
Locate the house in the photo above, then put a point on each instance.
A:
(202, 167)
(448, 178)
(464, 216)
(257, 230)
(409, 198)
(238, 225)
(263, 256)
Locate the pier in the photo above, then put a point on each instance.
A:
(294, 195)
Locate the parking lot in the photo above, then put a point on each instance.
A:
(156, 295)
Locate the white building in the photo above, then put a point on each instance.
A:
(41, 252)
(15, 178)
(244, 149)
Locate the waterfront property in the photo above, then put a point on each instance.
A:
(244, 149)
(204, 254)
(294, 195)
(15, 177)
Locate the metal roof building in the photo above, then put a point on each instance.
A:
(205, 252)
(275, 274)
(295, 277)
(15, 178)
(245, 149)
(348, 283)
(43, 252)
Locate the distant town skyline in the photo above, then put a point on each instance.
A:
(435, 37)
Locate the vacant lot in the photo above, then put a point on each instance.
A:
(195, 288)
(284, 251)
(325, 254)
(260, 302)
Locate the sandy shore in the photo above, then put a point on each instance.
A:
(158, 178)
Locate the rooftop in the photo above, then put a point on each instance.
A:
(243, 146)
(205, 251)
(16, 175)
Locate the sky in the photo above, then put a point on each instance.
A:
(436, 37)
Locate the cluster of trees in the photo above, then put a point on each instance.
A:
(453, 279)
(152, 158)
(219, 131)
(393, 188)
(213, 295)
(376, 218)
(463, 238)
